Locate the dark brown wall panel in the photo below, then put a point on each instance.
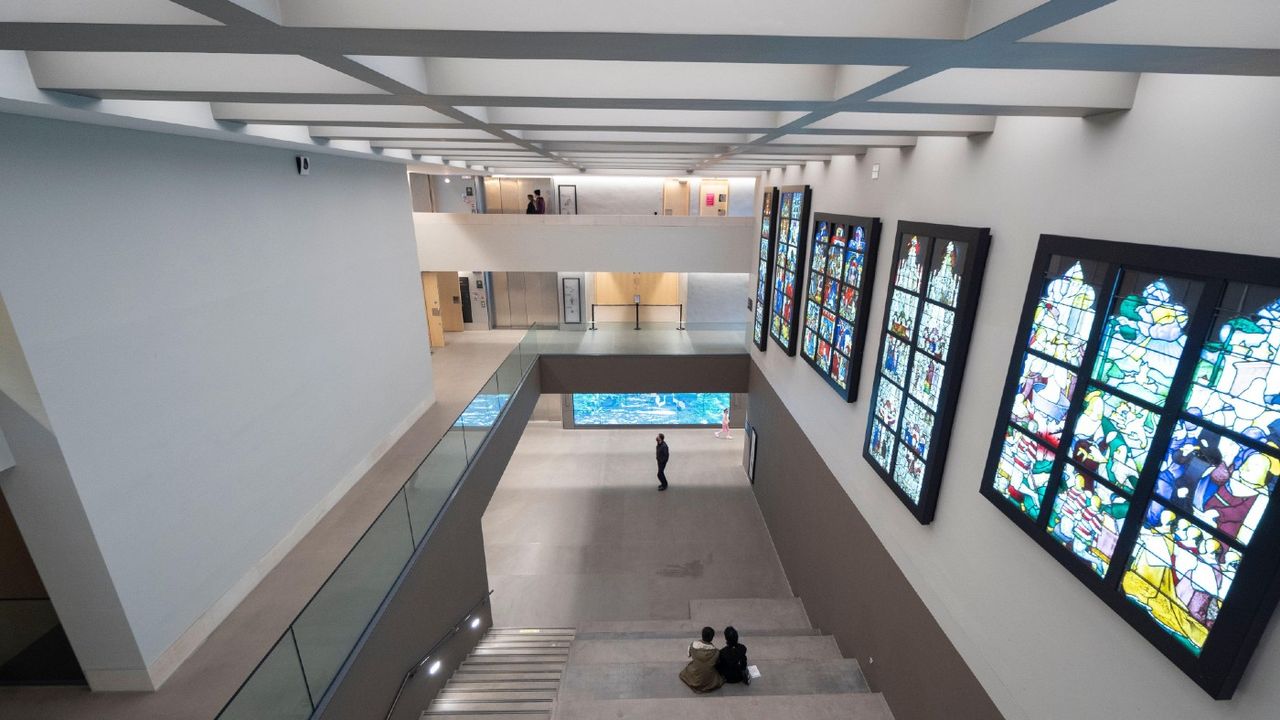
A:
(850, 585)
(644, 373)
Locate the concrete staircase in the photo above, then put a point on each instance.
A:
(629, 670)
(512, 674)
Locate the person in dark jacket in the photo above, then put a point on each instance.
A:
(732, 661)
(539, 203)
(531, 208)
(664, 453)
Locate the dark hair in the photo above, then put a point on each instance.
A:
(537, 192)
(661, 436)
(730, 636)
(708, 634)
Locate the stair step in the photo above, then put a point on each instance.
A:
(554, 650)
(530, 631)
(750, 612)
(838, 706)
(503, 685)
(524, 643)
(686, 629)
(497, 677)
(763, 648)
(659, 680)
(441, 707)
(506, 659)
(520, 667)
(488, 716)
(496, 696)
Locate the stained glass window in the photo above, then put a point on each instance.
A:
(1164, 378)
(839, 278)
(764, 268)
(937, 271)
(788, 267)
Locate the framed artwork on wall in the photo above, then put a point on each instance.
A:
(568, 199)
(841, 268)
(1138, 440)
(788, 265)
(928, 318)
(571, 295)
(764, 268)
(751, 454)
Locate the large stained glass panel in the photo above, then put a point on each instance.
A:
(840, 274)
(1161, 369)
(789, 264)
(764, 268)
(1180, 575)
(928, 319)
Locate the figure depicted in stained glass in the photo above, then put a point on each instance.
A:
(1087, 518)
(1064, 317)
(1113, 437)
(840, 370)
(819, 260)
(908, 473)
(785, 205)
(811, 312)
(1180, 575)
(917, 428)
(910, 266)
(835, 259)
(791, 258)
(902, 314)
(882, 441)
(944, 280)
(1237, 381)
(936, 325)
(1142, 343)
(1022, 474)
(844, 337)
(926, 380)
(1042, 398)
(831, 298)
(896, 357)
(827, 326)
(824, 354)
(855, 257)
(1224, 483)
(889, 405)
(797, 205)
(848, 304)
(810, 343)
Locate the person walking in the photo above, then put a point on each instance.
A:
(664, 454)
(539, 203)
(700, 674)
(532, 207)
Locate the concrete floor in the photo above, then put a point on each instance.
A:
(204, 683)
(577, 530)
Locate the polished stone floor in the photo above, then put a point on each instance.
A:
(577, 530)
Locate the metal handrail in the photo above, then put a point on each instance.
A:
(679, 324)
(447, 636)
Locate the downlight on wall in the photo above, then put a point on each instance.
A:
(435, 668)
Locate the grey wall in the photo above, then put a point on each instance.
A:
(716, 297)
(644, 373)
(1193, 164)
(451, 197)
(221, 346)
(850, 585)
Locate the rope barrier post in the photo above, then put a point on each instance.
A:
(637, 316)
(593, 316)
(680, 325)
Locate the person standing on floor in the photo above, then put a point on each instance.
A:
(700, 674)
(532, 207)
(540, 203)
(731, 663)
(664, 454)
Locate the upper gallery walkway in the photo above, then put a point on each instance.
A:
(472, 366)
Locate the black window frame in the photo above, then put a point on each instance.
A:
(764, 280)
(802, 241)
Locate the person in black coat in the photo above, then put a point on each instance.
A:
(531, 208)
(664, 453)
(732, 661)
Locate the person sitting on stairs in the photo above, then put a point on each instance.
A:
(732, 660)
(700, 674)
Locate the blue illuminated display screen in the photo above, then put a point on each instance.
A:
(649, 408)
(482, 411)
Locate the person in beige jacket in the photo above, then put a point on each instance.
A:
(700, 674)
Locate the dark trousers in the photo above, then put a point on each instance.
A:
(662, 474)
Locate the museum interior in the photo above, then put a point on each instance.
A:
(430, 361)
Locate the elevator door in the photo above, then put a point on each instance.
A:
(522, 299)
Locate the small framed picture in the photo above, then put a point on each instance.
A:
(751, 454)
(571, 293)
(568, 199)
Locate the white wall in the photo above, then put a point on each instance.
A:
(716, 297)
(640, 195)
(222, 348)
(1194, 164)
(562, 243)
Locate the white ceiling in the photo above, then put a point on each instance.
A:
(721, 86)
